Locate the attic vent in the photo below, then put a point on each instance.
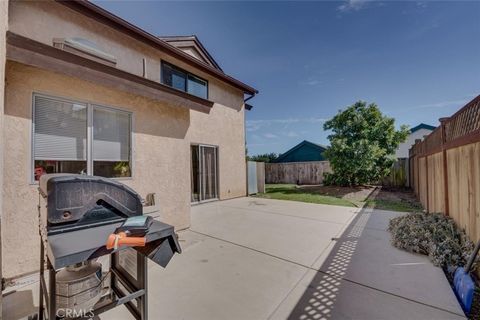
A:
(85, 48)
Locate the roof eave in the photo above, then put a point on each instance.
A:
(33, 53)
(93, 11)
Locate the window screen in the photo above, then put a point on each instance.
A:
(61, 141)
(60, 130)
(111, 143)
(111, 135)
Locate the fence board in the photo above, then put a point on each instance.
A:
(296, 172)
(459, 138)
(435, 183)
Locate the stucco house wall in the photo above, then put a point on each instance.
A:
(3, 29)
(402, 151)
(162, 133)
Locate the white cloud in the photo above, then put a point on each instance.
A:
(443, 104)
(312, 82)
(270, 135)
(254, 125)
(292, 134)
(352, 5)
(421, 4)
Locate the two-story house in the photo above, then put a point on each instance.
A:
(88, 92)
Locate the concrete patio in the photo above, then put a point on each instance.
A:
(251, 258)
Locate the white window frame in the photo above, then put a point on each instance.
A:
(90, 107)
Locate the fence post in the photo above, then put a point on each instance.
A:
(443, 122)
(426, 182)
(417, 156)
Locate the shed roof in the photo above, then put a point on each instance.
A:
(321, 148)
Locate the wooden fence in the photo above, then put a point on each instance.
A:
(398, 176)
(445, 168)
(296, 172)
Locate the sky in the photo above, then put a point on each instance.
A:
(417, 60)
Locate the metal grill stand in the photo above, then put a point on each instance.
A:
(94, 208)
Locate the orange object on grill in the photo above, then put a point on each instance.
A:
(116, 240)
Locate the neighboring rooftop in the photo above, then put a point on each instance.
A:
(303, 152)
(422, 126)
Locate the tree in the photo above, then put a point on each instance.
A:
(362, 145)
(266, 157)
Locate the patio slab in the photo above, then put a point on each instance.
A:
(365, 255)
(319, 296)
(320, 212)
(291, 237)
(244, 259)
(213, 279)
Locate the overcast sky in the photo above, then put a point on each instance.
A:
(418, 60)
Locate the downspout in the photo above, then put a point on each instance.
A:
(247, 107)
(251, 96)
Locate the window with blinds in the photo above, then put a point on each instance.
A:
(61, 139)
(111, 142)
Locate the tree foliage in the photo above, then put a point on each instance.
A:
(266, 157)
(362, 145)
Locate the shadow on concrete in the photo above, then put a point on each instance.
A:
(383, 282)
(320, 298)
(19, 305)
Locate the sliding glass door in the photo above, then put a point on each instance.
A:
(204, 172)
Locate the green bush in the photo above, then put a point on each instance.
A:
(434, 235)
(362, 145)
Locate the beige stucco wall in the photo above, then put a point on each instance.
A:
(3, 29)
(162, 134)
(45, 20)
(161, 158)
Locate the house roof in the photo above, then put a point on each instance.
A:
(422, 126)
(284, 155)
(192, 41)
(93, 11)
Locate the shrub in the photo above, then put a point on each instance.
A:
(434, 235)
(362, 145)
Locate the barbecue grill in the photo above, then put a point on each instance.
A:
(77, 213)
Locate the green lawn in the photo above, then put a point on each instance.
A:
(291, 192)
(393, 205)
(343, 196)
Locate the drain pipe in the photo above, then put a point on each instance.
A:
(247, 107)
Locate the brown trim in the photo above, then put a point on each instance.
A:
(33, 53)
(433, 151)
(471, 137)
(473, 101)
(95, 12)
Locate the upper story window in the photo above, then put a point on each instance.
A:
(75, 137)
(182, 80)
